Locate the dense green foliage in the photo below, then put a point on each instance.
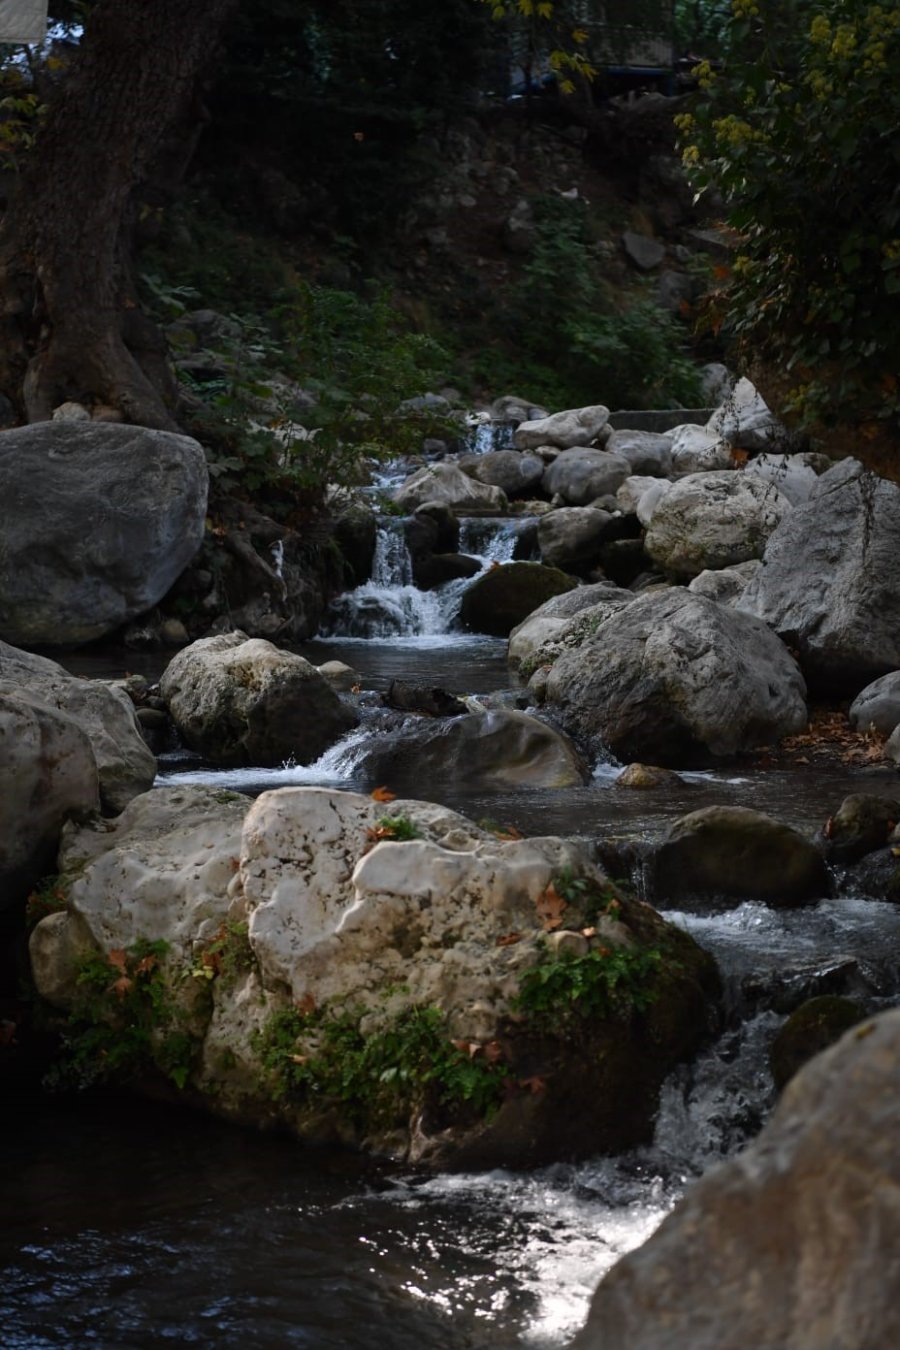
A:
(124, 1023)
(800, 133)
(325, 1059)
(563, 993)
(585, 346)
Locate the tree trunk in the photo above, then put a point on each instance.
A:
(70, 327)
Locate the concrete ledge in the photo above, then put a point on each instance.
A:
(658, 419)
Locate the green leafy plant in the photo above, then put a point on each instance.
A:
(124, 1022)
(588, 897)
(630, 350)
(397, 827)
(227, 956)
(804, 112)
(50, 897)
(380, 1076)
(562, 993)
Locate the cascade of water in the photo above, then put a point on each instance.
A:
(390, 605)
(492, 538)
(485, 436)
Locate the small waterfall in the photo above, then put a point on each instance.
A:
(485, 436)
(391, 606)
(492, 538)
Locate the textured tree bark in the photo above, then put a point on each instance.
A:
(70, 326)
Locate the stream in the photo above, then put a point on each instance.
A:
(130, 1224)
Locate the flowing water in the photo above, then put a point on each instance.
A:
(133, 1225)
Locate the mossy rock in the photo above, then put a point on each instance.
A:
(815, 1025)
(506, 595)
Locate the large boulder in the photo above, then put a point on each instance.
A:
(725, 585)
(49, 774)
(497, 750)
(794, 476)
(373, 975)
(791, 1245)
(577, 629)
(447, 484)
(503, 596)
(878, 705)
(241, 700)
(98, 522)
(575, 426)
(515, 472)
(104, 713)
(545, 623)
(698, 450)
(648, 452)
(830, 580)
(582, 475)
(809, 1030)
(862, 823)
(719, 855)
(572, 536)
(746, 423)
(675, 679)
(712, 520)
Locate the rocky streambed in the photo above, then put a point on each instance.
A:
(520, 954)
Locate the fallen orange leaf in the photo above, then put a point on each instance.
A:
(383, 794)
(508, 939)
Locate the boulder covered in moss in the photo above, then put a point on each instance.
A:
(503, 596)
(386, 975)
(862, 823)
(812, 1027)
(720, 855)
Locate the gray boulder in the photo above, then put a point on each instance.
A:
(644, 252)
(503, 596)
(573, 631)
(581, 475)
(719, 855)
(515, 471)
(447, 484)
(695, 449)
(546, 622)
(571, 536)
(48, 773)
(892, 746)
(574, 426)
(648, 452)
(793, 475)
(511, 408)
(241, 700)
(712, 520)
(675, 679)
(725, 586)
(98, 521)
(862, 823)
(830, 580)
(746, 423)
(878, 705)
(790, 1246)
(490, 751)
(103, 711)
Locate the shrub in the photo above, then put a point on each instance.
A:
(798, 132)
